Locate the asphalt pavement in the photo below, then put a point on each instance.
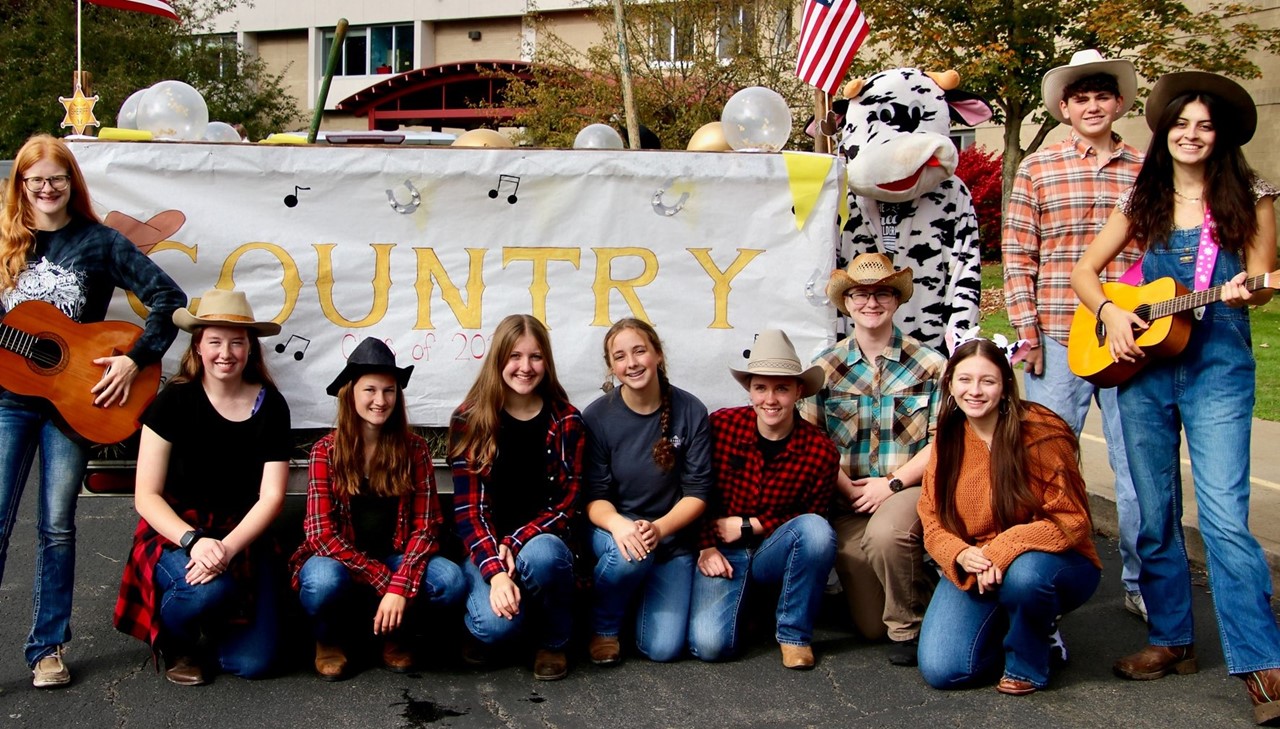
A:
(853, 685)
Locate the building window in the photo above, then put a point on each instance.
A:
(672, 38)
(963, 138)
(737, 32)
(375, 49)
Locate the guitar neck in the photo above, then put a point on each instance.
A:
(16, 341)
(1203, 298)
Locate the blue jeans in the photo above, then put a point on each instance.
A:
(246, 649)
(327, 591)
(544, 573)
(1069, 396)
(963, 632)
(798, 556)
(662, 618)
(62, 465)
(1209, 391)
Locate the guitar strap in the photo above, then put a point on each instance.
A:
(1206, 259)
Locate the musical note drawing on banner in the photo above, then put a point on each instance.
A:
(291, 201)
(282, 347)
(661, 208)
(405, 208)
(511, 180)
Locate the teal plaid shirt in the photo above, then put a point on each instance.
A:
(879, 414)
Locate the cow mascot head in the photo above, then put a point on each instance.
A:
(904, 198)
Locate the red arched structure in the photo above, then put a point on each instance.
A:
(448, 95)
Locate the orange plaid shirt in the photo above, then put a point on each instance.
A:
(1061, 199)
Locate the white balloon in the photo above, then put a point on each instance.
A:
(173, 110)
(756, 119)
(598, 136)
(221, 132)
(128, 116)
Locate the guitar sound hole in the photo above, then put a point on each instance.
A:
(1144, 311)
(46, 356)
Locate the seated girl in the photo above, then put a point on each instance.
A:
(648, 476)
(515, 445)
(373, 520)
(211, 474)
(1006, 516)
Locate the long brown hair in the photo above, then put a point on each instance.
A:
(476, 439)
(191, 368)
(18, 219)
(1228, 181)
(664, 453)
(391, 472)
(1012, 500)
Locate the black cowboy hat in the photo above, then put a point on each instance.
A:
(370, 356)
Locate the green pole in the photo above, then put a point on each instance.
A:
(335, 51)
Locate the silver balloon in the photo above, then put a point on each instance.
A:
(756, 119)
(128, 116)
(221, 132)
(173, 110)
(598, 136)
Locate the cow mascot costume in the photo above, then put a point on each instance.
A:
(904, 198)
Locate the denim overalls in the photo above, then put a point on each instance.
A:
(1209, 390)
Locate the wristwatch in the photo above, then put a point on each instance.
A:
(747, 530)
(189, 539)
(896, 484)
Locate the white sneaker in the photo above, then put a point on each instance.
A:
(1057, 648)
(51, 671)
(1134, 604)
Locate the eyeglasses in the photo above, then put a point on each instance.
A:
(57, 182)
(860, 298)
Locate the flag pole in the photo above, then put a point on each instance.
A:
(821, 144)
(78, 67)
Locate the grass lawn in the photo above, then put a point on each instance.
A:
(1266, 342)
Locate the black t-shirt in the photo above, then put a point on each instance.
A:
(515, 485)
(771, 448)
(215, 465)
(373, 519)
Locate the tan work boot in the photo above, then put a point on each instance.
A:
(331, 662)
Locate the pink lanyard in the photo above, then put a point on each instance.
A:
(1206, 257)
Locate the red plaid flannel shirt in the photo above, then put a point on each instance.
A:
(328, 530)
(563, 472)
(800, 480)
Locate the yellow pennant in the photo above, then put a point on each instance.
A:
(806, 171)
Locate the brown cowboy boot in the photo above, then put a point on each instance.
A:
(1157, 661)
(331, 662)
(1264, 691)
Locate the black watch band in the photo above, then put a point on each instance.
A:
(748, 531)
(189, 539)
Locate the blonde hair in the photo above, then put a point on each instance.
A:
(17, 219)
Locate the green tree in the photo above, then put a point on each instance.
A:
(687, 59)
(1002, 48)
(126, 51)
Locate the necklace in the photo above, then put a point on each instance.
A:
(1184, 197)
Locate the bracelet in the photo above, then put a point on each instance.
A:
(1098, 313)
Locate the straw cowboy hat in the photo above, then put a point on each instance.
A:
(1086, 63)
(869, 269)
(773, 355)
(220, 308)
(1243, 116)
(372, 356)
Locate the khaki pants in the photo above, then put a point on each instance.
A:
(880, 561)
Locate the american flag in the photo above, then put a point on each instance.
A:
(831, 32)
(155, 7)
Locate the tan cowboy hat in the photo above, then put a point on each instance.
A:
(1086, 63)
(869, 269)
(1243, 114)
(773, 355)
(220, 308)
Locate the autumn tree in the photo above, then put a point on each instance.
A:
(1002, 48)
(126, 51)
(687, 58)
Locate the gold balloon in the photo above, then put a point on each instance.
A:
(481, 138)
(709, 138)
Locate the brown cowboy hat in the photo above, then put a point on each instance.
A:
(221, 308)
(869, 269)
(1243, 113)
(773, 355)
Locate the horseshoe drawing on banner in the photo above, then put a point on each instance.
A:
(662, 208)
(405, 208)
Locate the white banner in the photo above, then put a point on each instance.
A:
(428, 249)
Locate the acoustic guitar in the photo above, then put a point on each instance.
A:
(45, 354)
(1164, 304)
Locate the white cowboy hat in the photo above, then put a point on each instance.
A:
(1086, 63)
(773, 355)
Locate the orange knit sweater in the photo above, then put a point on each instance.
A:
(1054, 473)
